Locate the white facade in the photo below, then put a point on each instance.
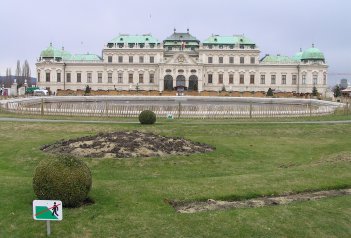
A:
(211, 67)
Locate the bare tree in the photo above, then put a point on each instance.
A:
(18, 69)
(26, 70)
(8, 77)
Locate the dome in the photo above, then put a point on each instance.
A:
(52, 52)
(298, 56)
(312, 54)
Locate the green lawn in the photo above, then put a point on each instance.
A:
(249, 160)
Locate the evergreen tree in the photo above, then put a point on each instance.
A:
(337, 91)
(269, 92)
(87, 90)
(314, 91)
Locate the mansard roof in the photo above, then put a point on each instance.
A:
(279, 59)
(181, 37)
(85, 57)
(228, 40)
(134, 39)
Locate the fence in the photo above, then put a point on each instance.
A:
(179, 109)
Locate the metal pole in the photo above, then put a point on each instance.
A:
(179, 110)
(42, 107)
(48, 228)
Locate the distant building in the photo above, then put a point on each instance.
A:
(181, 60)
(343, 83)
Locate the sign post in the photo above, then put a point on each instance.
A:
(47, 210)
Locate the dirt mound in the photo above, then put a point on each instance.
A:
(212, 205)
(123, 144)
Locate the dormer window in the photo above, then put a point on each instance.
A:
(147, 39)
(215, 39)
(121, 39)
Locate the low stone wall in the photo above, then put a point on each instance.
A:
(174, 93)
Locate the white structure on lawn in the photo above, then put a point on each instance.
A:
(233, 63)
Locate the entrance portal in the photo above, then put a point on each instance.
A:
(168, 83)
(180, 82)
(193, 83)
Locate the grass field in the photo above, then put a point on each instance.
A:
(250, 160)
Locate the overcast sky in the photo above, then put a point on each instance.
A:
(276, 26)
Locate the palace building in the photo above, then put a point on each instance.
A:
(182, 62)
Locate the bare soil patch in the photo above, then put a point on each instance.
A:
(124, 144)
(212, 205)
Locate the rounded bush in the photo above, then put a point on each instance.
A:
(147, 117)
(64, 178)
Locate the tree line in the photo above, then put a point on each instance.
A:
(22, 73)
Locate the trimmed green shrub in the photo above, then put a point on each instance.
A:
(64, 178)
(147, 117)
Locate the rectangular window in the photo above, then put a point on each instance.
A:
(220, 78)
(120, 77)
(263, 79)
(99, 77)
(141, 78)
(315, 79)
(273, 79)
(284, 79)
(59, 77)
(79, 77)
(89, 77)
(210, 60)
(303, 79)
(68, 77)
(242, 60)
(141, 59)
(231, 60)
(210, 78)
(131, 59)
(231, 78)
(220, 60)
(38, 77)
(241, 79)
(152, 59)
(294, 77)
(47, 77)
(130, 78)
(252, 79)
(324, 79)
(152, 78)
(252, 60)
(109, 77)
(120, 59)
(109, 59)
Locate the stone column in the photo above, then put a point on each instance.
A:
(14, 91)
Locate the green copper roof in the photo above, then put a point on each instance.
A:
(179, 43)
(52, 52)
(85, 57)
(134, 39)
(228, 40)
(278, 59)
(181, 37)
(312, 54)
(298, 56)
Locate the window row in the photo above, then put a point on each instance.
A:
(273, 79)
(231, 60)
(131, 59)
(132, 78)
